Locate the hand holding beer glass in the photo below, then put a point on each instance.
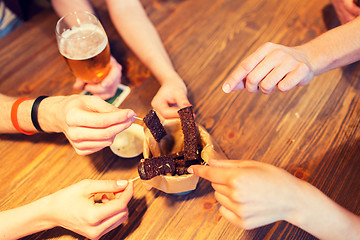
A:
(83, 43)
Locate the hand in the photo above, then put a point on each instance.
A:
(252, 194)
(346, 10)
(269, 66)
(73, 207)
(170, 98)
(108, 87)
(89, 123)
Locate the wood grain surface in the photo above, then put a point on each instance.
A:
(313, 131)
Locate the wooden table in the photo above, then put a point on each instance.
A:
(312, 131)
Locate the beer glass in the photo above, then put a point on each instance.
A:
(83, 43)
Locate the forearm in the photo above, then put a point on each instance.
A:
(322, 217)
(140, 35)
(46, 114)
(23, 115)
(335, 48)
(25, 220)
(62, 7)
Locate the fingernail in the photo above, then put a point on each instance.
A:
(226, 88)
(134, 117)
(131, 114)
(121, 183)
(190, 170)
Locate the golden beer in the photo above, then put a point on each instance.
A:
(85, 49)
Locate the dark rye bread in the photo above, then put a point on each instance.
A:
(152, 121)
(191, 134)
(152, 167)
(168, 164)
(176, 163)
(181, 165)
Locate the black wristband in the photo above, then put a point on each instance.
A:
(34, 112)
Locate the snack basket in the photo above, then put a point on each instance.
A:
(173, 143)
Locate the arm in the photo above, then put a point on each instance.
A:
(62, 7)
(141, 36)
(285, 67)
(72, 208)
(253, 194)
(335, 48)
(25, 220)
(88, 122)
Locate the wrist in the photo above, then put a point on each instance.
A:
(23, 116)
(320, 216)
(45, 216)
(335, 48)
(299, 203)
(48, 114)
(314, 57)
(35, 217)
(170, 78)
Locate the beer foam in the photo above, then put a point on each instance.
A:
(74, 46)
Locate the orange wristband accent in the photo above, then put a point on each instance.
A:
(14, 120)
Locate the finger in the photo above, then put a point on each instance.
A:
(83, 151)
(259, 215)
(168, 112)
(229, 163)
(231, 217)
(107, 86)
(293, 78)
(87, 145)
(260, 72)
(240, 86)
(87, 151)
(182, 100)
(221, 189)
(345, 16)
(270, 81)
(103, 93)
(352, 8)
(110, 81)
(107, 95)
(251, 222)
(101, 119)
(163, 108)
(113, 222)
(169, 109)
(235, 81)
(214, 175)
(79, 84)
(117, 205)
(81, 134)
(271, 66)
(114, 76)
(106, 186)
(234, 205)
(236, 78)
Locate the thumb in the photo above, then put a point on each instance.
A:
(182, 100)
(78, 84)
(229, 163)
